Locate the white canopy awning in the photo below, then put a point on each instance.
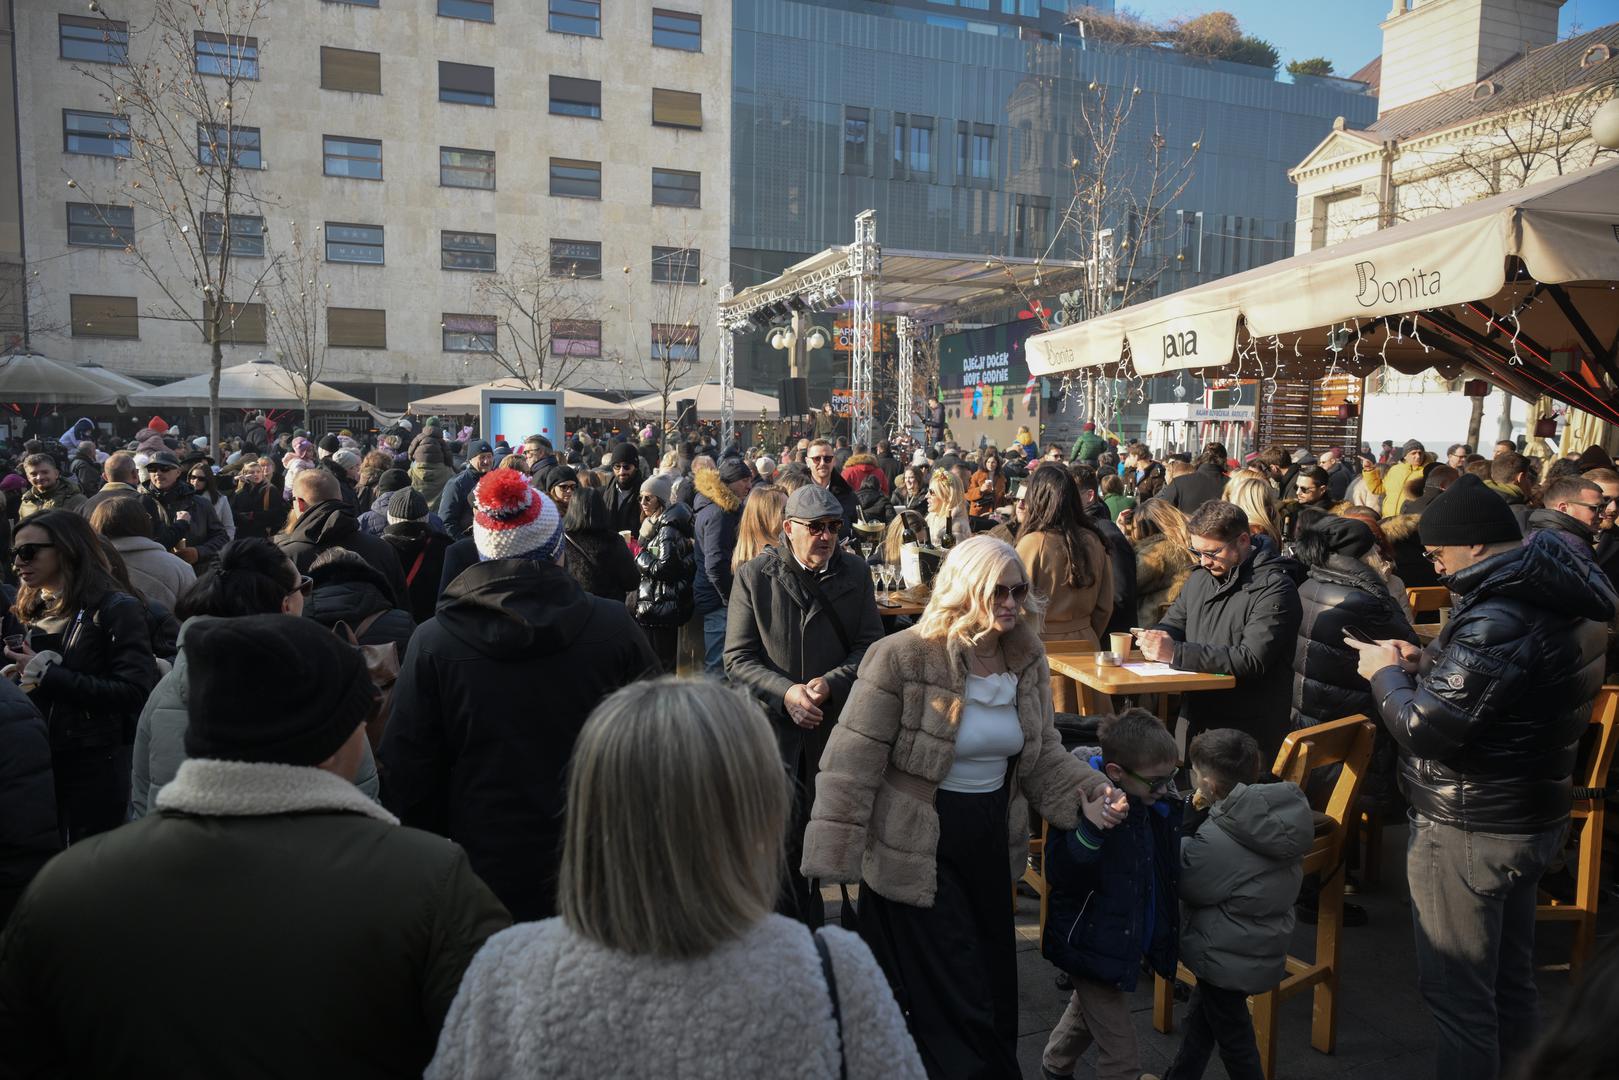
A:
(707, 396)
(260, 384)
(1519, 287)
(467, 399)
(33, 379)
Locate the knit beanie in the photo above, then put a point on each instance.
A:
(329, 444)
(392, 480)
(733, 469)
(660, 487)
(243, 705)
(1468, 513)
(1345, 535)
(406, 504)
(559, 474)
(625, 454)
(511, 520)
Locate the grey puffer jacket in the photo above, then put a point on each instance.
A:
(542, 1000)
(160, 741)
(1240, 874)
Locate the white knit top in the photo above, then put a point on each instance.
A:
(989, 736)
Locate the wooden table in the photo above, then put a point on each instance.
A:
(1077, 661)
(1426, 632)
(912, 602)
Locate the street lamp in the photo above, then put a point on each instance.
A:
(1605, 125)
(796, 340)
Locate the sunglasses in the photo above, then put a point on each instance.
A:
(1158, 785)
(822, 528)
(1016, 593)
(25, 552)
(1588, 506)
(306, 584)
(162, 468)
(822, 459)
(1432, 556)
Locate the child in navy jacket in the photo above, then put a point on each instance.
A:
(1113, 900)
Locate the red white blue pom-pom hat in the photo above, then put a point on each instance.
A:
(511, 520)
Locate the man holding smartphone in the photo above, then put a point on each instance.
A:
(1488, 720)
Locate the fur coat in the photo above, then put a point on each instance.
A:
(897, 736)
(540, 1000)
(1161, 570)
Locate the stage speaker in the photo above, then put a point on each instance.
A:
(793, 398)
(686, 413)
(1476, 388)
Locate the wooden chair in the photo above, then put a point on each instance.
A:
(1588, 819)
(1348, 742)
(1425, 599)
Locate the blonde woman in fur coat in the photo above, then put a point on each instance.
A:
(666, 959)
(924, 794)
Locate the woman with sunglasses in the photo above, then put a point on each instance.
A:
(667, 563)
(85, 655)
(251, 577)
(200, 475)
(924, 793)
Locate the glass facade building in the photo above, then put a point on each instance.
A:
(957, 122)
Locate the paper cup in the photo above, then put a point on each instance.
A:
(1120, 644)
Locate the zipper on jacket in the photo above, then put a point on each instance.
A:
(1081, 916)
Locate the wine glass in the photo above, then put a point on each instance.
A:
(877, 581)
(893, 575)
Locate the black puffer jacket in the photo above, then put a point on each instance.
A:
(601, 563)
(28, 835)
(1340, 593)
(204, 531)
(1490, 725)
(1246, 625)
(330, 524)
(94, 696)
(258, 510)
(490, 698)
(350, 590)
(1187, 493)
(668, 565)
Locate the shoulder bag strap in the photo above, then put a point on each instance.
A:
(832, 992)
(415, 567)
(813, 587)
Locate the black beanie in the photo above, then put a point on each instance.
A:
(625, 454)
(392, 480)
(330, 443)
(1344, 535)
(406, 504)
(559, 474)
(732, 470)
(271, 688)
(1466, 513)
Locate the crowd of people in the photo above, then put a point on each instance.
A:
(252, 688)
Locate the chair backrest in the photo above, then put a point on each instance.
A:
(1428, 598)
(1347, 742)
(1596, 748)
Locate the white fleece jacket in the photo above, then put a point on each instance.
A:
(540, 1000)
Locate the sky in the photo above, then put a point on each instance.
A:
(1349, 37)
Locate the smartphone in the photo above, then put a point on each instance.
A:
(1359, 635)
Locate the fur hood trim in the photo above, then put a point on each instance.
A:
(1401, 527)
(212, 788)
(718, 492)
(860, 459)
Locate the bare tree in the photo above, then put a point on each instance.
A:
(184, 157)
(546, 327)
(24, 311)
(667, 353)
(295, 314)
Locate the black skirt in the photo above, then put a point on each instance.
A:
(953, 967)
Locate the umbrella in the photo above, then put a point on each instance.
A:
(1518, 287)
(468, 398)
(29, 378)
(708, 397)
(119, 383)
(261, 384)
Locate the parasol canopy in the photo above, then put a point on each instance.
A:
(259, 384)
(33, 379)
(708, 396)
(468, 398)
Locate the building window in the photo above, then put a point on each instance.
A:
(351, 70)
(229, 56)
(94, 133)
(677, 108)
(677, 30)
(246, 235)
(466, 168)
(356, 328)
(476, 10)
(921, 155)
(241, 144)
(100, 226)
(243, 324)
(856, 140)
(674, 344)
(572, 179)
(1031, 225)
(468, 333)
(93, 41)
(576, 258)
(466, 84)
(576, 97)
(901, 136)
(576, 337)
(356, 159)
(354, 243)
(103, 316)
(676, 266)
(467, 251)
(975, 151)
(672, 187)
(353, 3)
(582, 17)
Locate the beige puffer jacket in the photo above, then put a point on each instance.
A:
(895, 740)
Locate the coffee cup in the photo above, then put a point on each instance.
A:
(1120, 644)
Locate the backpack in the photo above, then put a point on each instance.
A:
(381, 664)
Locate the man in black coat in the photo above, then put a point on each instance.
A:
(324, 522)
(1238, 614)
(1489, 720)
(28, 829)
(888, 463)
(1203, 484)
(185, 523)
(493, 692)
(624, 493)
(455, 503)
(263, 878)
(801, 617)
(827, 473)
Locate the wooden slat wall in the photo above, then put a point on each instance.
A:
(351, 70)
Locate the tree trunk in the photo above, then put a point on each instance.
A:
(306, 409)
(1475, 420)
(216, 361)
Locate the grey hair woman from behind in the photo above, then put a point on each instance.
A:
(666, 950)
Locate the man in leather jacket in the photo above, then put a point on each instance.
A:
(1489, 720)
